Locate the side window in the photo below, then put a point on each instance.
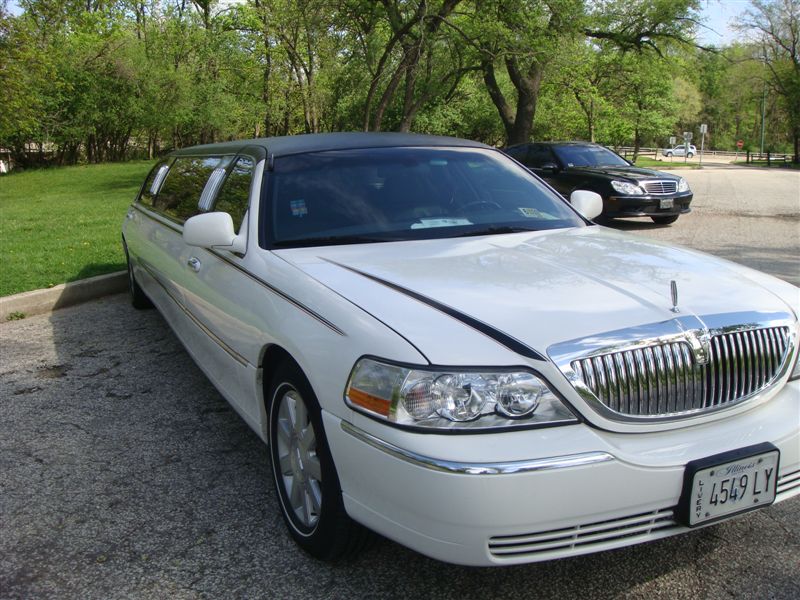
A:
(234, 196)
(153, 182)
(181, 190)
(520, 153)
(540, 155)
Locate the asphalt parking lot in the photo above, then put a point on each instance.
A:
(749, 216)
(124, 474)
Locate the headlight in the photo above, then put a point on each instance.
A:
(458, 399)
(624, 187)
(683, 185)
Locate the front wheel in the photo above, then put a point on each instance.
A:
(665, 220)
(303, 472)
(669, 154)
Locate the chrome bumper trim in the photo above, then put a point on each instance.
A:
(498, 468)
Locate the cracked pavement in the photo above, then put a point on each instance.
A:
(124, 474)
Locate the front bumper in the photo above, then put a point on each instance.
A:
(646, 206)
(539, 494)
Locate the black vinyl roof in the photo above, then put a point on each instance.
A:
(318, 142)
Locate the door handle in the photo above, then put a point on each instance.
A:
(194, 264)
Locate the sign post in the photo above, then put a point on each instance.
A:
(687, 137)
(703, 132)
(672, 141)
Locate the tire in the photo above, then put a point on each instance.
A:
(690, 155)
(303, 472)
(139, 299)
(665, 220)
(669, 154)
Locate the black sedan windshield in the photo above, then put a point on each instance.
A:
(588, 156)
(391, 194)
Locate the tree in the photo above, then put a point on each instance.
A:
(775, 27)
(525, 36)
(646, 98)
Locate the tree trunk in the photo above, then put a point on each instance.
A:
(496, 94)
(265, 95)
(387, 95)
(518, 124)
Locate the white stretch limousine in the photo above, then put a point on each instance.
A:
(437, 347)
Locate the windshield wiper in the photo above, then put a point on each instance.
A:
(496, 229)
(330, 240)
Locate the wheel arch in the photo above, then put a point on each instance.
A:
(272, 356)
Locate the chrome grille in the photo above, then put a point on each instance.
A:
(788, 485)
(666, 379)
(585, 538)
(661, 186)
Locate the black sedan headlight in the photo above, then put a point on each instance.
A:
(627, 188)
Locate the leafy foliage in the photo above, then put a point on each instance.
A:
(102, 80)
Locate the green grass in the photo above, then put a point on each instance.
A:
(63, 224)
(677, 163)
(762, 163)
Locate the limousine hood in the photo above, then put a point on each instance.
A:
(538, 288)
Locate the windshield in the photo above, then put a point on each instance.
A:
(589, 156)
(391, 194)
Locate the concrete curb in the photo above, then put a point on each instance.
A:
(37, 302)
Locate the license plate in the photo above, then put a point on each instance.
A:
(727, 484)
(666, 203)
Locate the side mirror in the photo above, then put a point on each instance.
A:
(213, 230)
(588, 204)
(549, 166)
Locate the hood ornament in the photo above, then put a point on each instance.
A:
(673, 288)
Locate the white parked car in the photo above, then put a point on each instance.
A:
(680, 150)
(439, 348)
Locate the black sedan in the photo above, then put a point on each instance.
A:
(627, 191)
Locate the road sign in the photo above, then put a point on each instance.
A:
(672, 140)
(740, 144)
(687, 135)
(703, 128)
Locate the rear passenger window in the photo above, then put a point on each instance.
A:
(539, 156)
(234, 196)
(181, 190)
(153, 182)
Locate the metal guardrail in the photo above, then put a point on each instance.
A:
(749, 157)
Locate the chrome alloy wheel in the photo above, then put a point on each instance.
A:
(300, 467)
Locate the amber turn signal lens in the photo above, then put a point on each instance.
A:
(369, 402)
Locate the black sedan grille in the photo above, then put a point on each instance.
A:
(661, 186)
